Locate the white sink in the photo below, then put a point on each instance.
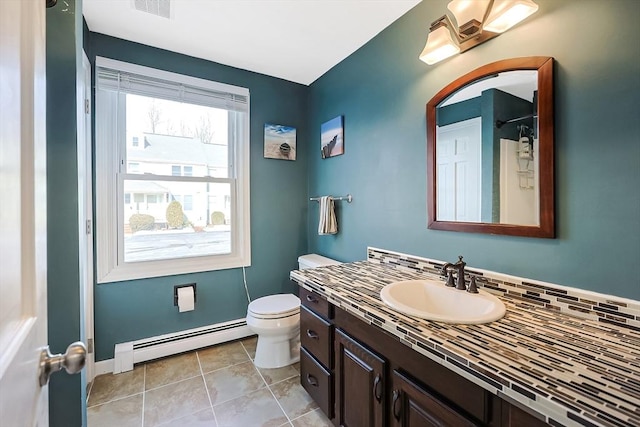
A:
(432, 300)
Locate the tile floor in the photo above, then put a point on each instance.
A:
(216, 386)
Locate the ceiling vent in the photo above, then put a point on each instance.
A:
(155, 7)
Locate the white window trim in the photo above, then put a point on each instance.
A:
(109, 215)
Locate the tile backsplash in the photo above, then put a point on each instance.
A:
(603, 308)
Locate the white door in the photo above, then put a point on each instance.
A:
(458, 171)
(23, 222)
(23, 240)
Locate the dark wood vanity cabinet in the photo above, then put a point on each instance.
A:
(360, 384)
(361, 376)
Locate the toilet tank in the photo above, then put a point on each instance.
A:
(315, 260)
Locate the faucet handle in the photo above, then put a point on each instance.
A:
(450, 282)
(460, 260)
(472, 285)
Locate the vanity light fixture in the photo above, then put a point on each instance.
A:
(478, 21)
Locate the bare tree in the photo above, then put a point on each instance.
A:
(204, 130)
(184, 129)
(154, 116)
(170, 129)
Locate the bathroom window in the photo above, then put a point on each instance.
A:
(191, 161)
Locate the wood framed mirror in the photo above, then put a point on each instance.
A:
(490, 150)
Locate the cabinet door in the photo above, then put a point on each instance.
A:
(516, 417)
(413, 406)
(360, 383)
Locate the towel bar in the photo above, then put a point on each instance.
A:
(348, 198)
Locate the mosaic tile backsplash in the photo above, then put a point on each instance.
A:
(567, 356)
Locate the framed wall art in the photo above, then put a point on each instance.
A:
(332, 137)
(279, 142)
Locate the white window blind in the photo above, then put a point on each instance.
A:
(129, 82)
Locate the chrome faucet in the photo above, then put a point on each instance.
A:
(459, 266)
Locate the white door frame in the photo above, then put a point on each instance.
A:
(85, 211)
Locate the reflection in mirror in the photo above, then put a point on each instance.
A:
(490, 150)
(486, 145)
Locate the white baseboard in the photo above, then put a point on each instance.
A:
(132, 352)
(102, 367)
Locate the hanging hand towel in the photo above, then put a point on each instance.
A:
(328, 223)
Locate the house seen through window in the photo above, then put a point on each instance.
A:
(182, 194)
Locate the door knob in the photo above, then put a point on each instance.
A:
(72, 361)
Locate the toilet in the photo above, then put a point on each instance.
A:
(276, 321)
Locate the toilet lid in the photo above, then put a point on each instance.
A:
(275, 305)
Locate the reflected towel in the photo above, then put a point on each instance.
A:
(327, 223)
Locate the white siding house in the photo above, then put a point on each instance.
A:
(174, 156)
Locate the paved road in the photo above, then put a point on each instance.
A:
(152, 246)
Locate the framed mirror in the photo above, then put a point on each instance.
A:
(490, 150)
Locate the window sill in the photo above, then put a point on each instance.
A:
(171, 267)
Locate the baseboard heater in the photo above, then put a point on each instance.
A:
(127, 354)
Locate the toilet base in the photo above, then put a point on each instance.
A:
(277, 351)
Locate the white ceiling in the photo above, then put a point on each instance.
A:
(296, 40)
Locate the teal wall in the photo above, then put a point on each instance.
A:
(463, 110)
(137, 309)
(64, 44)
(382, 90)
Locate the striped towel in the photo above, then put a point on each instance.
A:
(328, 223)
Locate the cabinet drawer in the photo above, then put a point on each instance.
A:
(317, 381)
(316, 303)
(316, 336)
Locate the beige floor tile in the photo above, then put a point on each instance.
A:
(297, 366)
(257, 409)
(125, 412)
(272, 376)
(315, 418)
(174, 401)
(233, 381)
(110, 387)
(171, 369)
(250, 345)
(199, 419)
(293, 398)
(221, 356)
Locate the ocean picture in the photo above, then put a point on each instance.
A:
(332, 138)
(279, 142)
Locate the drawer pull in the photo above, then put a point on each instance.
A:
(377, 388)
(312, 380)
(311, 298)
(312, 334)
(394, 405)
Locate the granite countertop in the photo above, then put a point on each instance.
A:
(568, 370)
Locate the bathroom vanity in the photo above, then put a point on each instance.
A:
(367, 365)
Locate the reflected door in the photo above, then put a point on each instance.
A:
(458, 171)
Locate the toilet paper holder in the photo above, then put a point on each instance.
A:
(175, 292)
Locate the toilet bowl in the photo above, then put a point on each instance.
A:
(276, 321)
